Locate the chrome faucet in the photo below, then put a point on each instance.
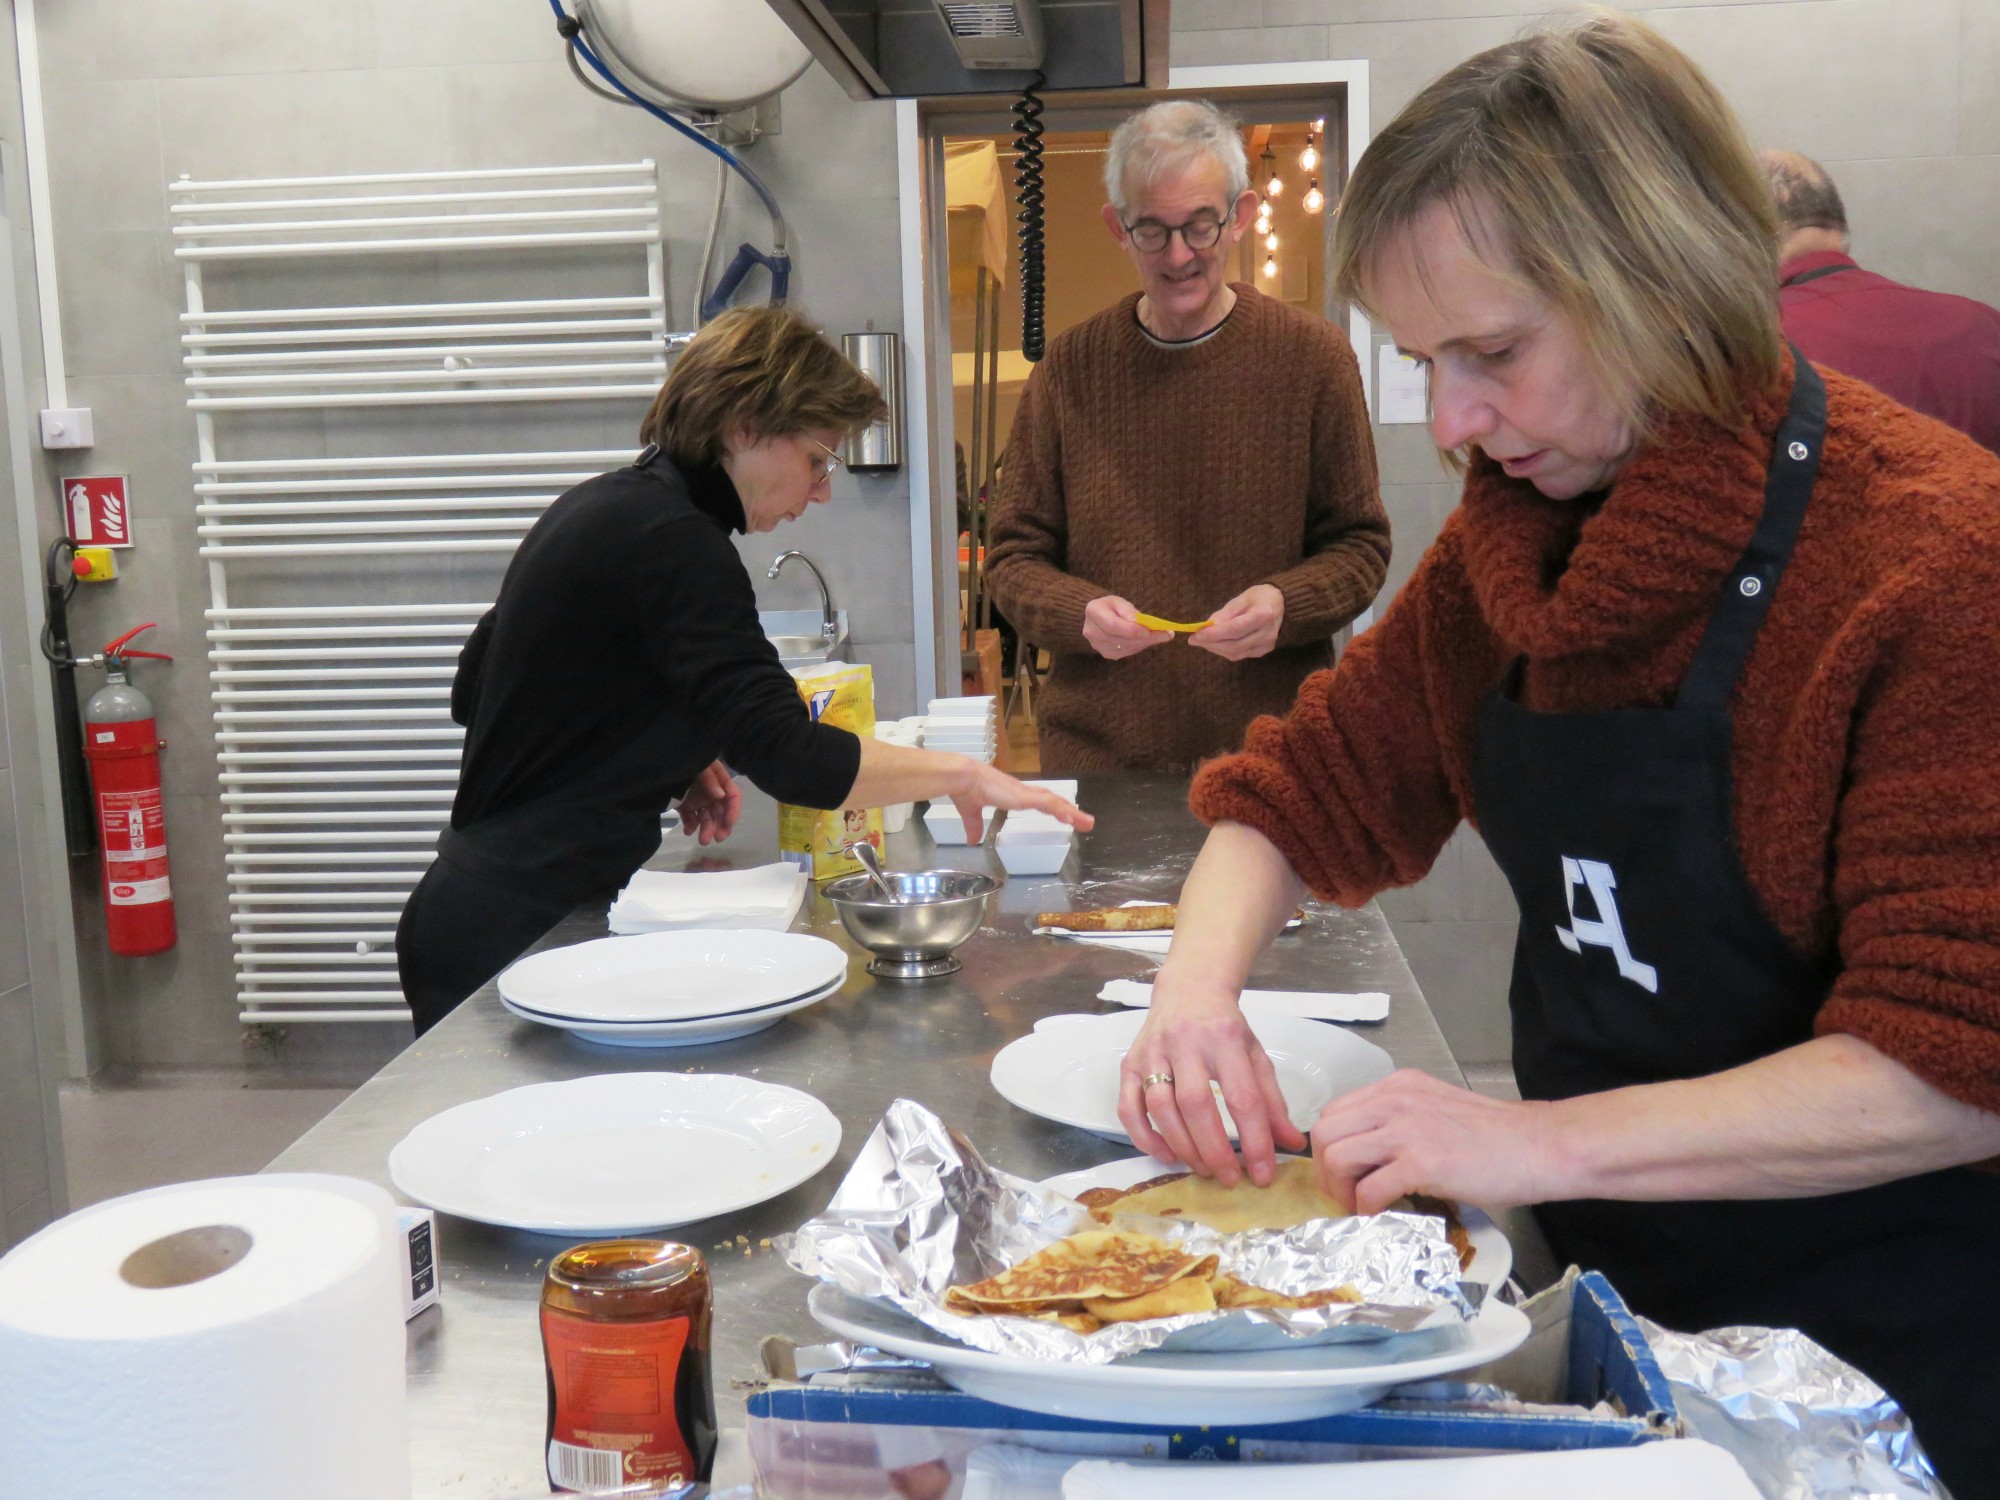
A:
(829, 624)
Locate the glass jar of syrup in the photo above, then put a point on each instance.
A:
(625, 1337)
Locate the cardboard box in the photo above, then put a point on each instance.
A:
(1584, 1379)
(841, 694)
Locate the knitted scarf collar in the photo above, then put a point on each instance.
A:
(1556, 578)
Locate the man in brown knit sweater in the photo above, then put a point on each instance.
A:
(1197, 452)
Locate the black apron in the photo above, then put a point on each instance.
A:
(1644, 955)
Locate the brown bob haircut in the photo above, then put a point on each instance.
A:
(1597, 165)
(763, 371)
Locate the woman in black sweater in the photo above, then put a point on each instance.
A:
(622, 665)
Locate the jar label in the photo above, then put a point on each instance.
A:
(614, 1387)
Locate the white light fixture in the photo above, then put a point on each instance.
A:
(1314, 199)
(1308, 158)
(1270, 241)
(1270, 265)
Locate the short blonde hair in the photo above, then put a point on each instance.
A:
(1616, 181)
(762, 370)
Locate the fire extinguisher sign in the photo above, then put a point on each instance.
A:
(97, 510)
(134, 825)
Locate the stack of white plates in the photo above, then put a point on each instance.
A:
(674, 989)
(968, 726)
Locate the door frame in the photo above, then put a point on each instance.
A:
(920, 132)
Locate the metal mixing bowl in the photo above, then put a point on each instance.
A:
(913, 936)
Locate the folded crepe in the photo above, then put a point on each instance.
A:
(1094, 1265)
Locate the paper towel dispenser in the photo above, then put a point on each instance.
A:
(928, 49)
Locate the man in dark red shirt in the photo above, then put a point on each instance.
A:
(1934, 352)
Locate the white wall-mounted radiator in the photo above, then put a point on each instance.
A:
(367, 462)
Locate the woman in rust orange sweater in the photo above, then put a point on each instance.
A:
(1707, 655)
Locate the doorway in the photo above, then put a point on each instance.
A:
(967, 313)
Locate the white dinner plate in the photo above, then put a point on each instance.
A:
(617, 1153)
(1066, 1069)
(1264, 1387)
(696, 1033)
(1492, 1255)
(672, 976)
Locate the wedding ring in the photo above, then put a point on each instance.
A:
(1153, 1078)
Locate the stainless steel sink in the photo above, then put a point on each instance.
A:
(796, 634)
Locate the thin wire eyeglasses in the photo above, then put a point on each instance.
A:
(1151, 236)
(831, 464)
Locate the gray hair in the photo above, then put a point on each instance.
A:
(1170, 136)
(1805, 196)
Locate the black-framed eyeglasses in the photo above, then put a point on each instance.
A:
(1198, 233)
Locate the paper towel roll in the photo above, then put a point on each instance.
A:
(236, 1339)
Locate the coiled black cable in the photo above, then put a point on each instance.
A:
(1027, 112)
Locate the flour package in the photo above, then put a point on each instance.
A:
(841, 694)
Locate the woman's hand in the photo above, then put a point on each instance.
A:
(1195, 1033)
(710, 807)
(1411, 1133)
(985, 787)
(1112, 627)
(1247, 626)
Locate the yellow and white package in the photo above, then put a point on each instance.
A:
(841, 694)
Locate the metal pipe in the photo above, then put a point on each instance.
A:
(829, 624)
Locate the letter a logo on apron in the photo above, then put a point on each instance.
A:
(1606, 931)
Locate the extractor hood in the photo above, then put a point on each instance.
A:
(936, 49)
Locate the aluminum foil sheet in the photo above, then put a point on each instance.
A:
(1804, 1424)
(921, 1211)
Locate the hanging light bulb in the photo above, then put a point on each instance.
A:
(1270, 265)
(1273, 183)
(1308, 158)
(1270, 242)
(1275, 186)
(1314, 199)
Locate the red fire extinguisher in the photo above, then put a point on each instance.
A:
(123, 745)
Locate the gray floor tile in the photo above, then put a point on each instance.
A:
(119, 1140)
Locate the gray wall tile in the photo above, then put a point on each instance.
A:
(111, 131)
(1911, 221)
(305, 124)
(173, 39)
(24, 1130)
(1200, 49)
(1978, 78)
(14, 964)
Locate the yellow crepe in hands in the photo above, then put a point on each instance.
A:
(1293, 1197)
(1093, 1265)
(1154, 622)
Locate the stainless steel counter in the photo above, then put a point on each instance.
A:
(476, 1384)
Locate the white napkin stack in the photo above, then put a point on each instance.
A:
(766, 898)
(1312, 1005)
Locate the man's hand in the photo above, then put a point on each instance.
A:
(710, 807)
(1247, 626)
(1411, 1133)
(1193, 1034)
(1112, 627)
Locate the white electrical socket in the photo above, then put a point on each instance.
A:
(67, 427)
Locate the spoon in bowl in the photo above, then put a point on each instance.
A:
(865, 852)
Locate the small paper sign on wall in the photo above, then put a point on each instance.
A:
(97, 510)
(1403, 387)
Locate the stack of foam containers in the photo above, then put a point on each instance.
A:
(899, 732)
(966, 726)
(1033, 843)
